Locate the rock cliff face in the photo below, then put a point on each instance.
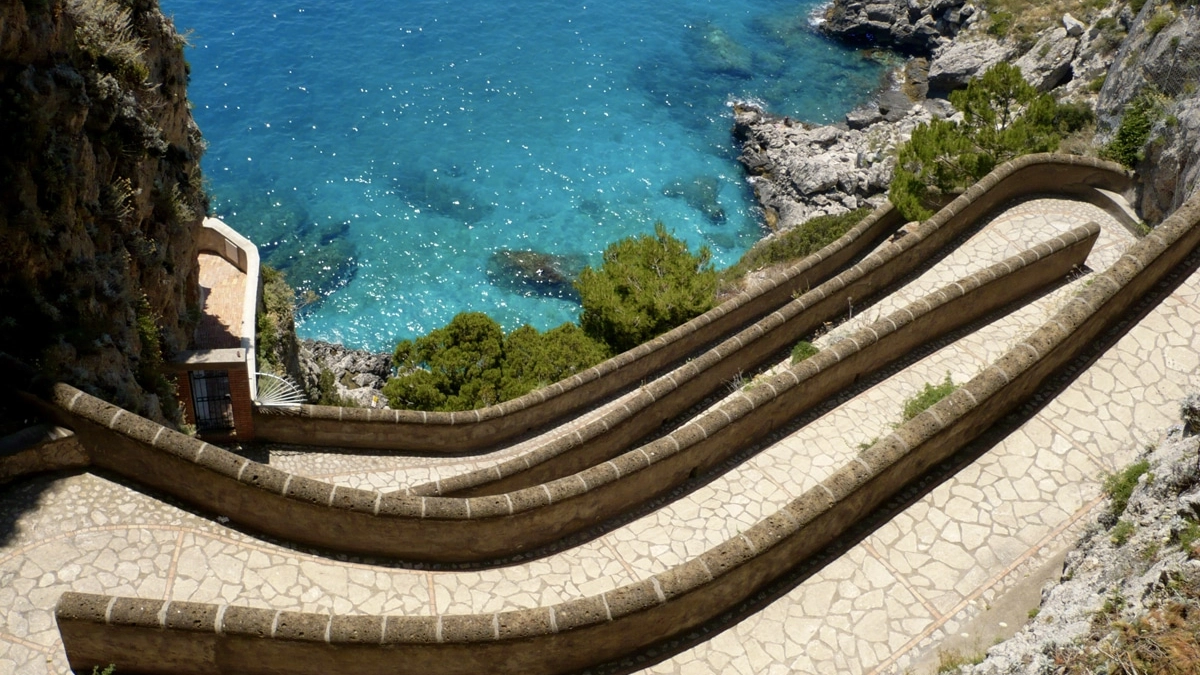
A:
(100, 194)
(1160, 59)
(355, 376)
(799, 171)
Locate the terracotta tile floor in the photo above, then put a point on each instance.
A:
(223, 287)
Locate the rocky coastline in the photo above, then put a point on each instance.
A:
(800, 171)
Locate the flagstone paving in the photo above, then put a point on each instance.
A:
(882, 606)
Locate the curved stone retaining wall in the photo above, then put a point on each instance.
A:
(475, 430)
(784, 322)
(449, 529)
(40, 448)
(150, 635)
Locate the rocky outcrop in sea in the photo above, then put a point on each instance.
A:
(908, 26)
(1128, 566)
(800, 170)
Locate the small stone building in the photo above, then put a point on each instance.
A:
(216, 378)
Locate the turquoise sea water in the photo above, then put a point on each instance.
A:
(383, 153)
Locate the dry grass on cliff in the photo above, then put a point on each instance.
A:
(104, 29)
(1022, 20)
(1164, 641)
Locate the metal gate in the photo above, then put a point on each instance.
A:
(211, 400)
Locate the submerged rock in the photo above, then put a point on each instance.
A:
(317, 261)
(714, 50)
(531, 273)
(442, 194)
(700, 193)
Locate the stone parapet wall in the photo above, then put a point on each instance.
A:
(457, 529)
(195, 638)
(476, 430)
(150, 635)
(38, 449)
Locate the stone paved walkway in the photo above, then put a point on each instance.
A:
(885, 605)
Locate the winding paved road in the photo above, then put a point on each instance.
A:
(937, 573)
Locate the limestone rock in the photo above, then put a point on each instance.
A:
(102, 198)
(1169, 62)
(1171, 169)
(864, 116)
(801, 171)
(358, 375)
(1101, 569)
(911, 26)
(955, 64)
(1048, 63)
(1073, 26)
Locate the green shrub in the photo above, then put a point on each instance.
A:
(803, 350)
(1159, 21)
(328, 393)
(1134, 130)
(927, 397)
(533, 360)
(1001, 23)
(647, 285)
(1135, 6)
(104, 30)
(1189, 536)
(951, 661)
(275, 325)
(456, 367)
(1119, 486)
(1003, 117)
(470, 363)
(150, 358)
(1121, 532)
(1111, 33)
(796, 243)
